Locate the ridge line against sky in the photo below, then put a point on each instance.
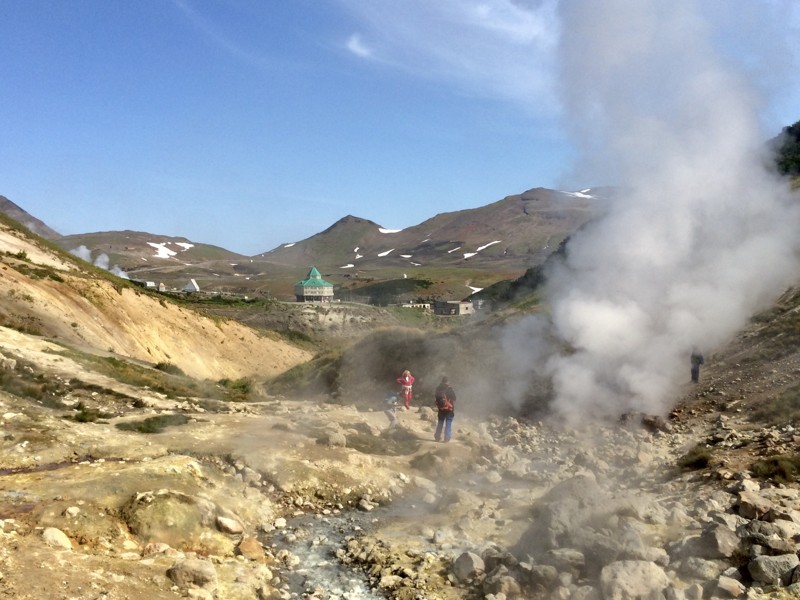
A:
(251, 124)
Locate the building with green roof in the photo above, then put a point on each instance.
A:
(313, 288)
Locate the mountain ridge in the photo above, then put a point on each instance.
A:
(482, 245)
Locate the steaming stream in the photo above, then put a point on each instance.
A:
(314, 540)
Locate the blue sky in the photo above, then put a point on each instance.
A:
(251, 123)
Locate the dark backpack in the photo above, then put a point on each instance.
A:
(443, 402)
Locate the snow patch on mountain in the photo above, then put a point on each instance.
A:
(161, 250)
(489, 244)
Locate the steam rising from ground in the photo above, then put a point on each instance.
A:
(102, 261)
(700, 236)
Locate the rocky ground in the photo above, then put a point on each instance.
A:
(302, 499)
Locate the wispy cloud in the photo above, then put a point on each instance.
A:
(357, 46)
(218, 38)
(493, 48)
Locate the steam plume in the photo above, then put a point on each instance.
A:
(102, 261)
(701, 234)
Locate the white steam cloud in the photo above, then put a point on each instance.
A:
(102, 261)
(700, 234)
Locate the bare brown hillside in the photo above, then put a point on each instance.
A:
(45, 293)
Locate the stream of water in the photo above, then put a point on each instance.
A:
(314, 540)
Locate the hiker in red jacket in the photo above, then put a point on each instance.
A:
(406, 380)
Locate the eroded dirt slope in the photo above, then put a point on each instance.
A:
(46, 294)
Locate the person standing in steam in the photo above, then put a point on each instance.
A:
(445, 399)
(390, 409)
(696, 360)
(406, 380)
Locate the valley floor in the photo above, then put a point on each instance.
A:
(290, 499)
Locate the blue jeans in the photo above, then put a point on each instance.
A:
(446, 422)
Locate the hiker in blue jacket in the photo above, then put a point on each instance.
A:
(390, 402)
(445, 403)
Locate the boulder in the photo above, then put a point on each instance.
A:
(335, 439)
(181, 520)
(752, 505)
(628, 579)
(467, 566)
(771, 569)
(543, 575)
(717, 541)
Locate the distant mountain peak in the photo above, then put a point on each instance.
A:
(350, 220)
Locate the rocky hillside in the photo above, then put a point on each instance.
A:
(52, 294)
(8, 208)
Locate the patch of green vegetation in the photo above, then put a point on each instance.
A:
(238, 389)
(698, 457)
(524, 291)
(35, 271)
(782, 409)
(413, 317)
(154, 424)
(24, 383)
(317, 376)
(787, 157)
(22, 323)
(384, 293)
(779, 334)
(224, 301)
(781, 469)
(168, 367)
(297, 338)
(88, 415)
(169, 384)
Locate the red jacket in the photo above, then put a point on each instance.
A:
(407, 380)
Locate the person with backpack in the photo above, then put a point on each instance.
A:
(406, 380)
(445, 404)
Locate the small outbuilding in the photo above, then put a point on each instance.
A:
(191, 286)
(313, 288)
(453, 307)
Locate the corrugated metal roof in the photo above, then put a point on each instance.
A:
(314, 279)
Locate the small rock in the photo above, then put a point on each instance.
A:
(194, 573)
(251, 549)
(56, 538)
(365, 505)
(228, 525)
(730, 587)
